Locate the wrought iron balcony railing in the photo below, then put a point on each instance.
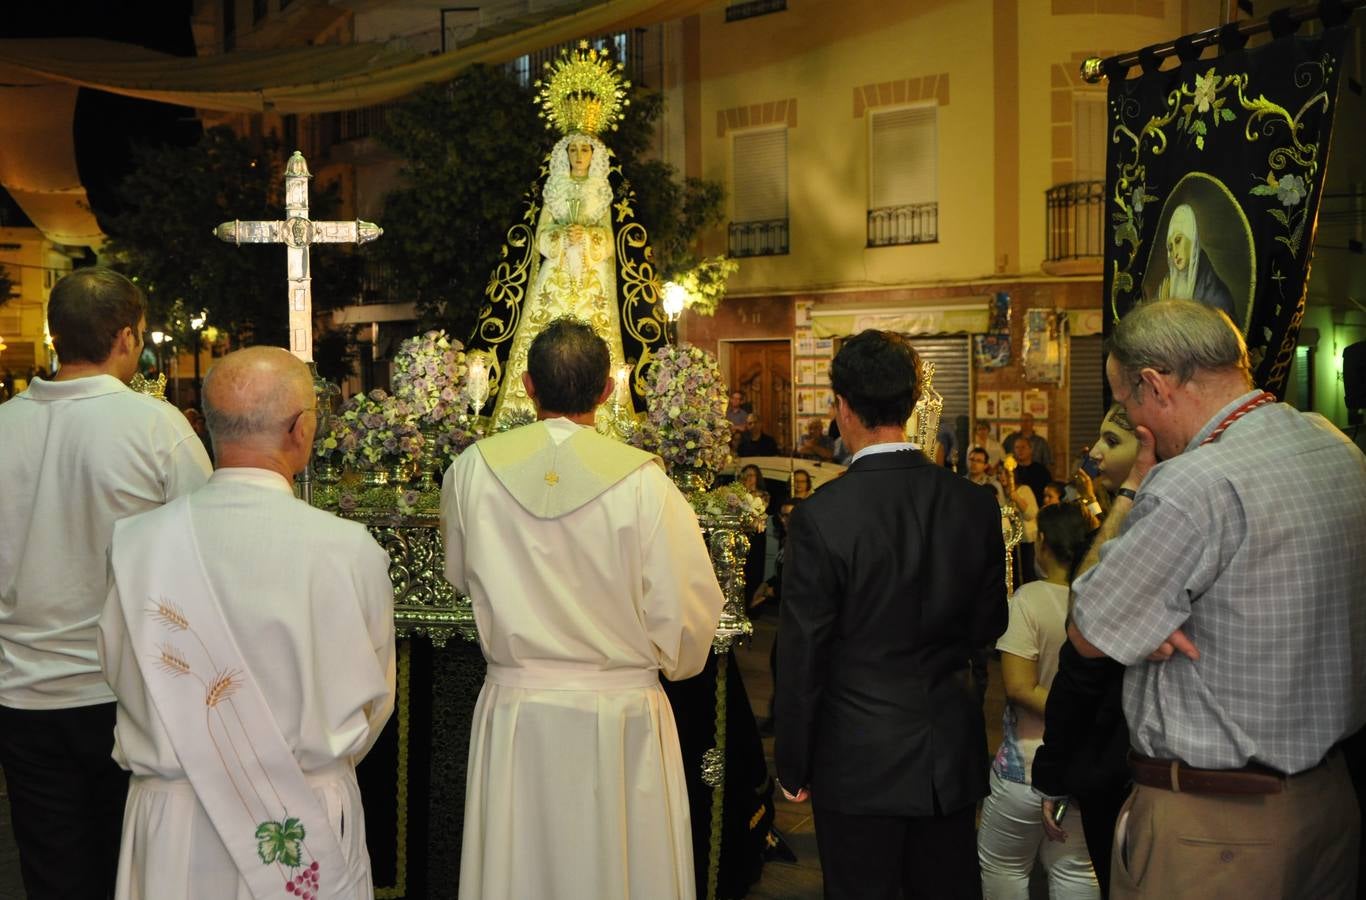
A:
(766, 238)
(379, 283)
(1075, 220)
(911, 223)
(748, 9)
(626, 47)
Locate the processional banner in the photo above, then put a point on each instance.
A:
(1215, 171)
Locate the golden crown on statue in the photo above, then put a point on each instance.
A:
(583, 92)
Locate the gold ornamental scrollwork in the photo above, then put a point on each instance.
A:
(424, 602)
(642, 316)
(506, 292)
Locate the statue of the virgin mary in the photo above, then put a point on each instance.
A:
(587, 257)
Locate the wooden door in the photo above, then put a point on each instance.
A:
(762, 372)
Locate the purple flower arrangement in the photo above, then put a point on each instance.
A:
(429, 374)
(685, 419)
(372, 430)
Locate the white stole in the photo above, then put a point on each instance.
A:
(219, 721)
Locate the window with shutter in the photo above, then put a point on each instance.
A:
(903, 183)
(759, 193)
(1088, 136)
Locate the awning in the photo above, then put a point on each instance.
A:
(39, 79)
(960, 315)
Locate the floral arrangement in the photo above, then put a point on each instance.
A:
(685, 419)
(371, 430)
(731, 501)
(428, 373)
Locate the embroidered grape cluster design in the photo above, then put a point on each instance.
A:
(305, 883)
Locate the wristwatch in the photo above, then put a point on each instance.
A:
(1126, 492)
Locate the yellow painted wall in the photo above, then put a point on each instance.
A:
(1053, 38)
(819, 59)
(34, 267)
(996, 131)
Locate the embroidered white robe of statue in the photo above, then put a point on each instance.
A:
(308, 600)
(575, 786)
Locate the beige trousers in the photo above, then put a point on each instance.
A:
(1300, 843)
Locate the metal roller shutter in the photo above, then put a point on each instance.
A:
(1086, 397)
(952, 379)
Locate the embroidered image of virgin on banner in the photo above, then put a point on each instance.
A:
(1214, 175)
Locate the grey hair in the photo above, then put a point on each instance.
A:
(1178, 337)
(267, 417)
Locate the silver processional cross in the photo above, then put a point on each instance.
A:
(297, 232)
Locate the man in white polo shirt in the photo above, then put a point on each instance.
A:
(78, 453)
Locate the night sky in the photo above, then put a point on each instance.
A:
(107, 125)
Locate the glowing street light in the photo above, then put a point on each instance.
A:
(159, 338)
(196, 326)
(675, 298)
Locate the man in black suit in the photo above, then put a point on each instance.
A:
(895, 575)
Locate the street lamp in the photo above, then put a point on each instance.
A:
(159, 338)
(196, 326)
(675, 297)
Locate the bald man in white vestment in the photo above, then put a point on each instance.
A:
(589, 579)
(77, 453)
(249, 640)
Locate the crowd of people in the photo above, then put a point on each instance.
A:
(192, 661)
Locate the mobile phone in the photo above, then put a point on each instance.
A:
(1091, 466)
(1060, 811)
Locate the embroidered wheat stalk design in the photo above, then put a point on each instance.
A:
(172, 661)
(170, 615)
(222, 687)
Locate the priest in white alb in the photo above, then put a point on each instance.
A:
(249, 640)
(589, 578)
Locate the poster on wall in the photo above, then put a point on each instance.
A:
(1214, 177)
(992, 350)
(1036, 404)
(1010, 405)
(986, 404)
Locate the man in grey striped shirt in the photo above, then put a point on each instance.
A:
(1232, 583)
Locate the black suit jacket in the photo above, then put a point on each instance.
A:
(894, 573)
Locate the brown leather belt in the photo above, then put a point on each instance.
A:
(1174, 775)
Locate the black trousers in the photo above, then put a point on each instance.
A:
(899, 857)
(1099, 814)
(66, 798)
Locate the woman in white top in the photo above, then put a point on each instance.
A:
(1011, 836)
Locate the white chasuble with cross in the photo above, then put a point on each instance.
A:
(589, 579)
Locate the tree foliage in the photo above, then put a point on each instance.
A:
(471, 151)
(163, 238)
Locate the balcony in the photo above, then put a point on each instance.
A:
(1075, 228)
(766, 238)
(379, 283)
(912, 223)
(625, 47)
(748, 9)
